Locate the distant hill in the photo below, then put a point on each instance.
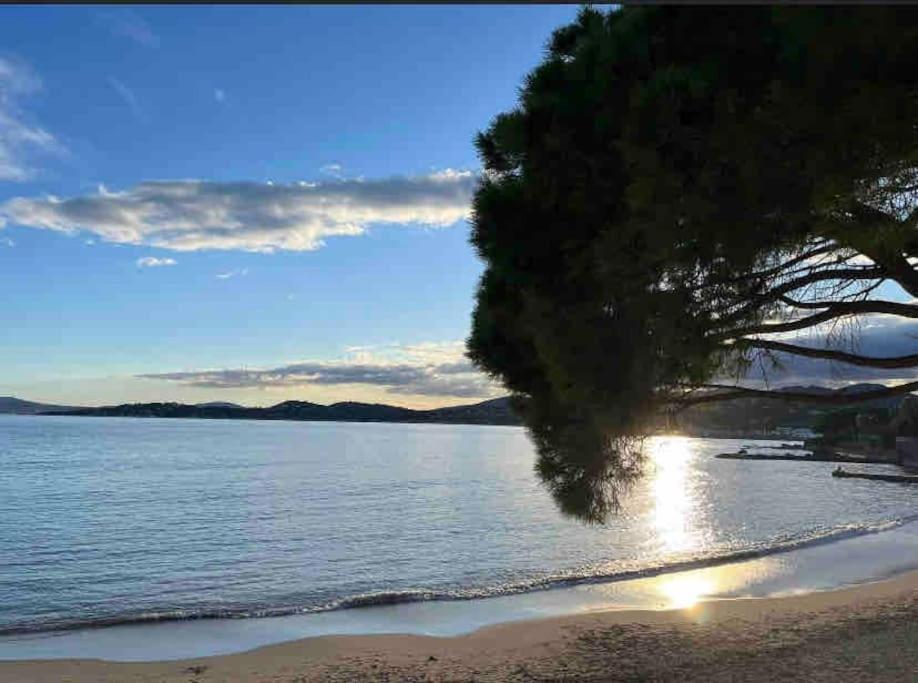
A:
(16, 406)
(748, 415)
(495, 412)
(755, 414)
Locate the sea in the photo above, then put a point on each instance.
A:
(137, 539)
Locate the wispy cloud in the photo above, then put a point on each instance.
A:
(419, 370)
(7, 242)
(333, 170)
(19, 138)
(219, 95)
(239, 272)
(154, 262)
(190, 215)
(129, 98)
(126, 23)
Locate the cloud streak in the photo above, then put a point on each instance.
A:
(128, 24)
(129, 98)
(421, 370)
(192, 215)
(333, 170)
(153, 262)
(19, 138)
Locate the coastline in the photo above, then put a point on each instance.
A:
(858, 560)
(636, 613)
(863, 632)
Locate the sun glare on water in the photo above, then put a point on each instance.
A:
(679, 522)
(673, 494)
(674, 521)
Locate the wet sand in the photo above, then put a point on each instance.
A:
(863, 633)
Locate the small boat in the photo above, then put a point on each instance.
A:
(897, 478)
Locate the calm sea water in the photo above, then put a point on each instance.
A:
(111, 520)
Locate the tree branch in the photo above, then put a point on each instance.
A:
(833, 310)
(909, 361)
(818, 249)
(886, 255)
(779, 291)
(730, 393)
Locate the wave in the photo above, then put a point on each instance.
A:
(385, 598)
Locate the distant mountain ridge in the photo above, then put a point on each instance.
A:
(17, 406)
(747, 414)
(495, 411)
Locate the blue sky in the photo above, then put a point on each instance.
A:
(253, 204)
(336, 106)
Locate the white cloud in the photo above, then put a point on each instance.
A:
(128, 24)
(219, 95)
(416, 370)
(190, 215)
(154, 262)
(239, 272)
(19, 138)
(333, 170)
(130, 99)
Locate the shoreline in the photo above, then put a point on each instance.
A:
(811, 630)
(560, 583)
(866, 559)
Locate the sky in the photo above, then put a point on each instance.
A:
(253, 204)
(271, 198)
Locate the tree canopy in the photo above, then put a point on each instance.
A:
(676, 191)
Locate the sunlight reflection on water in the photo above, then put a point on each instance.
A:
(688, 588)
(119, 518)
(675, 501)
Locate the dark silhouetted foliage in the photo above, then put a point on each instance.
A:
(672, 182)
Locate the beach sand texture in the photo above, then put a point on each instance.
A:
(862, 633)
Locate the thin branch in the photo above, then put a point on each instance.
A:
(909, 361)
(730, 393)
(838, 274)
(833, 310)
(822, 248)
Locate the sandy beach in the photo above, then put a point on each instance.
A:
(862, 633)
